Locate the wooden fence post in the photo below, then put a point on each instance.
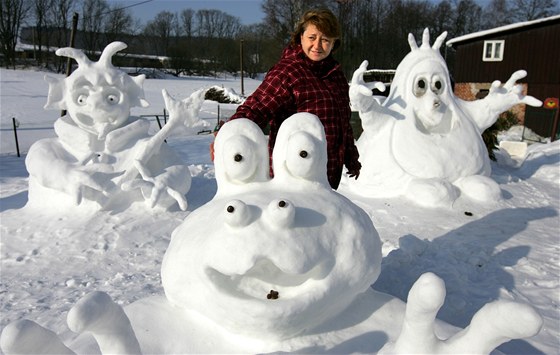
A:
(15, 124)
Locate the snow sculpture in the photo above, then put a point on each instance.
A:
(103, 158)
(422, 141)
(275, 265)
(271, 258)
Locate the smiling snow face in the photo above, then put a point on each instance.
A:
(272, 258)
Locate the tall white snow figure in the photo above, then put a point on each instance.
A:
(272, 258)
(103, 158)
(422, 141)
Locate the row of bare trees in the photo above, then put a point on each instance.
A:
(209, 40)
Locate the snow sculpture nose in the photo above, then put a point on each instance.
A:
(280, 213)
(238, 214)
(437, 103)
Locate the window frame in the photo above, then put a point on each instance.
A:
(492, 44)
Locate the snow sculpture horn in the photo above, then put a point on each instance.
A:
(76, 54)
(109, 52)
(426, 41)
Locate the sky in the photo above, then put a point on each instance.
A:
(248, 11)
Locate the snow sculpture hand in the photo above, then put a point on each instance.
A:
(501, 98)
(185, 112)
(154, 187)
(90, 179)
(494, 324)
(361, 92)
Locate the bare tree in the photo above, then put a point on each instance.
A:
(443, 17)
(467, 18)
(160, 30)
(61, 14)
(526, 10)
(187, 22)
(40, 12)
(496, 13)
(93, 15)
(118, 23)
(282, 15)
(13, 12)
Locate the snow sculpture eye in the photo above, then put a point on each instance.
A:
(81, 99)
(112, 99)
(302, 155)
(238, 214)
(420, 87)
(281, 213)
(437, 85)
(239, 158)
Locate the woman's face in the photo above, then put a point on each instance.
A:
(315, 44)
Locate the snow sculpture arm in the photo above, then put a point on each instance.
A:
(361, 95)
(55, 168)
(153, 182)
(500, 98)
(494, 324)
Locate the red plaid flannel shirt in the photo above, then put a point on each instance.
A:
(298, 84)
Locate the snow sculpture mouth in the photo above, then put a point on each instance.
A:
(436, 122)
(265, 276)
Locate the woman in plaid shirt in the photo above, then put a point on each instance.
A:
(308, 79)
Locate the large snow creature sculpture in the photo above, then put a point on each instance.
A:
(103, 158)
(272, 259)
(422, 141)
(275, 265)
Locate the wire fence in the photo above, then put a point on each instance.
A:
(17, 137)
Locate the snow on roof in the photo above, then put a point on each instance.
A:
(498, 30)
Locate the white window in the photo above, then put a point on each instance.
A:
(493, 51)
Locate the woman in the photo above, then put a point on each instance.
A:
(308, 79)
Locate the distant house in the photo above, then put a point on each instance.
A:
(495, 54)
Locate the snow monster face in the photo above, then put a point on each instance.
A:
(422, 81)
(97, 96)
(272, 258)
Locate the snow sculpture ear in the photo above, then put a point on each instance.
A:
(300, 150)
(241, 154)
(136, 91)
(55, 97)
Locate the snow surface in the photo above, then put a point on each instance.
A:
(507, 251)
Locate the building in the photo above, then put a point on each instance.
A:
(495, 54)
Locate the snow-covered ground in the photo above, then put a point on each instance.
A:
(508, 250)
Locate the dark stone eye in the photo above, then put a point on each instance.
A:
(421, 84)
(303, 154)
(282, 203)
(238, 157)
(230, 209)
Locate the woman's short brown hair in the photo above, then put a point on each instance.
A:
(324, 20)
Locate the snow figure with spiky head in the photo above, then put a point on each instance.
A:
(422, 141)
(103, 158)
